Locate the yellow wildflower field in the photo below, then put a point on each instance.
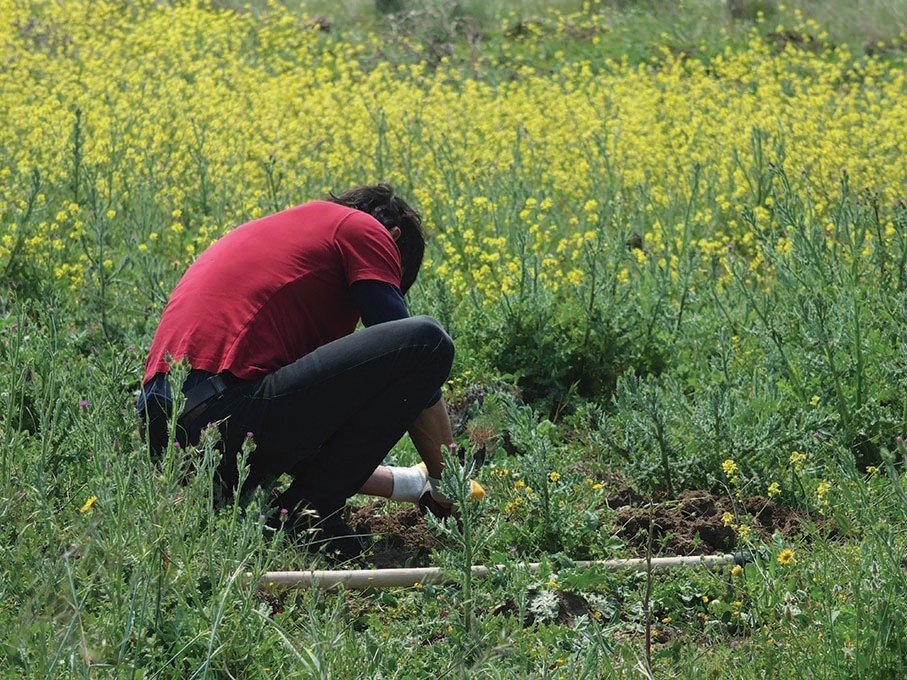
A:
(214, 117)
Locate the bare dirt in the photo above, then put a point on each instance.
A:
(402, 537)
(462, 408)
(693, 523)
(570, 606)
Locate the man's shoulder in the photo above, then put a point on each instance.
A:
(342, 222)
(322, 211)
(302, 221)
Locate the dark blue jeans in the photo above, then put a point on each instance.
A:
(329, 418)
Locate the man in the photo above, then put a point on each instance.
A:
(265, 317)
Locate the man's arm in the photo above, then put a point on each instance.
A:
(379, 302)
(429, 432)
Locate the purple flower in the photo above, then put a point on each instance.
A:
(176, 445)
(284, 511)
(131, 348)
(248, 435)
(83, 403)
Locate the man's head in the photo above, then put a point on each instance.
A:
(404, 223)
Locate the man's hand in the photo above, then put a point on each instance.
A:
(435, 501)
(428, 503)
(434, 485)
(430, 434)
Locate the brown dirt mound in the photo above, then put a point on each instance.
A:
(462, 408)
(781, 39)
(570, 606)
(402, 537)
(693, 522)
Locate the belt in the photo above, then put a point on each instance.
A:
(200, 397)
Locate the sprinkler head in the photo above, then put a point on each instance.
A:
(744, 557)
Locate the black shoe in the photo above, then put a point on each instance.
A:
(331, 536)
(337, 540)
(298, 524)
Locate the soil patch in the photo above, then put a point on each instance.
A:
(781, 39)
(465, 411)
(402, 538)
(465, 407)
(570, 606)
(693, 522)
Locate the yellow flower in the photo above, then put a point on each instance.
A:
(815, 400)
(90, 502)
(822, 491)
(786, 556)
(729, 467)
(736, 570)
(554, 476)
(727, 519)
(797, 459)
(773, 489)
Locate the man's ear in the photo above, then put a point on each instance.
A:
(395, 233)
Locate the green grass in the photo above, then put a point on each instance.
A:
(799, 345)
(638, 26)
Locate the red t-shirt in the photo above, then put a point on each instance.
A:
(273, 290)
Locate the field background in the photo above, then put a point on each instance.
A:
(668, 239)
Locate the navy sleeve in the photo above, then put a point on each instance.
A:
(379, 302)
